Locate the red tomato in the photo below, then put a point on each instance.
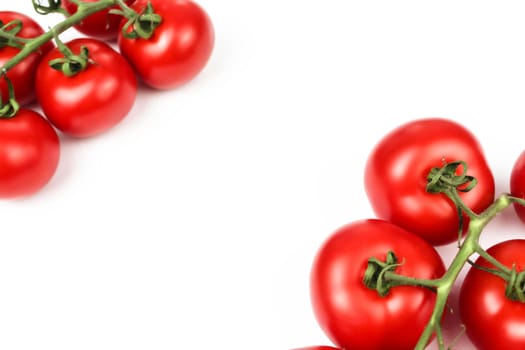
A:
(29, 154)
(517, 184)
(102, 25)
(179, 47)
(356, 317)
(23, 74)
(396, 177)
(94, 100)
(492, 320)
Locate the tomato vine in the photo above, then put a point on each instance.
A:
(445, 180)
(32, 45)
(86, 86)
(423, 186)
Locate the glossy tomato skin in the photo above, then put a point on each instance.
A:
(94, 100)
(493, 321)
(179, 48)
(356, 317)
(101, 25)
(517, 184)
(23, 74)
(396, 172)
(29, 154)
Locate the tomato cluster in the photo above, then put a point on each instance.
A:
(411, 220)
(86, 86)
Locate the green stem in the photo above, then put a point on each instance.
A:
(84, 10)
(400, 280)
(9, 34)
(502, 274)
(516, 200)
(499, 266)
(125, 10)
(11, 107)
(14, 38)
(461, 208)
(469, 247)
(456, 198)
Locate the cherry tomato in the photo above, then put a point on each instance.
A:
(396, 177)
(356, 317)
(23, 74)
(492, 320)
(29, 154)
(102, 25)
(179, 47)
(92, 101)
(517, 184)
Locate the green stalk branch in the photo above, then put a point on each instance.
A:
(500, 268)
(400, 280)
(516, 200)
(125, 10)
(8, 34)
(454, 196)
(84, 9)
(449, 180)
(469, 247)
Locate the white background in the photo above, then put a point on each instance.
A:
(193, 223)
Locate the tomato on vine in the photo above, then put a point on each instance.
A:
(29, 153)
(169, 43)
(492, 307)
(397, 170)
(87, 93)
(354, 315)
(22, 76)
(102, 25)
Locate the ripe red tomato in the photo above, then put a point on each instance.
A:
(102, 25)
(23, 74)
(29, 154)
(396, 177)
(178, 49)
(356, 317)
(492, 320)
(517, 184)
(94, 100)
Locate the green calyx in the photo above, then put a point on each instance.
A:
(11, 107)
(516, 286)
(450, 179)
(9, 110)
(381, 276)
(52, 6)
(140, 25)
(375, 273)
(442, 180)
(9, 32)
(71, 64)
